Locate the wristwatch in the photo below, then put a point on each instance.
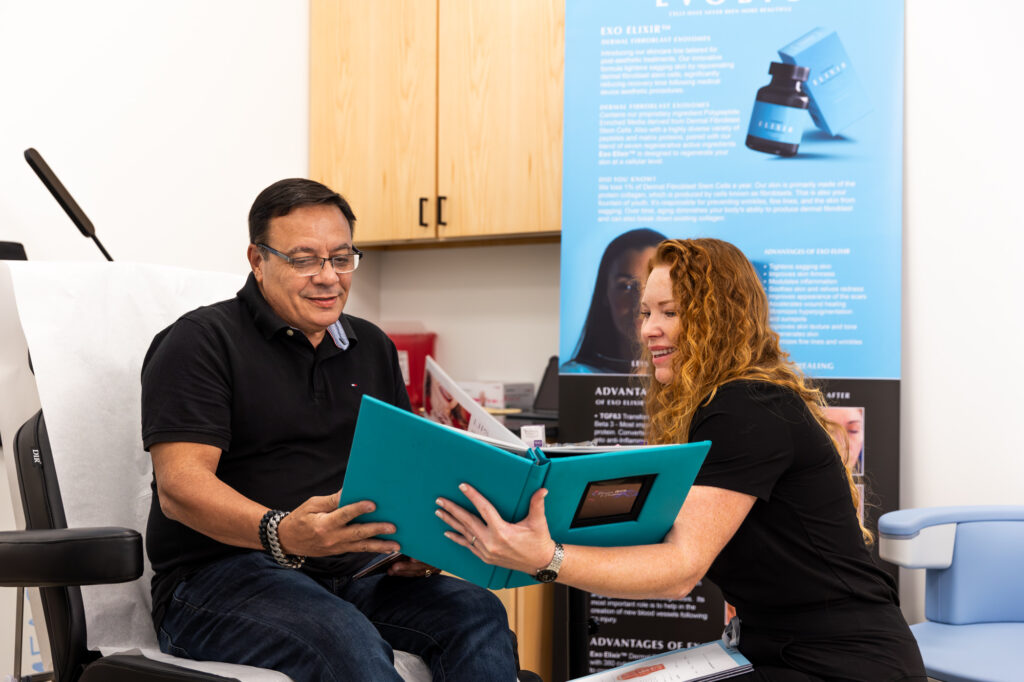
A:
(549, 573)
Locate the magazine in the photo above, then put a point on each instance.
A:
(445, 402)
(702, 663)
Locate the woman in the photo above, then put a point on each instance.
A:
(608, 343)
(771, 518)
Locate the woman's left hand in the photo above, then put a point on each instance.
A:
(525, 546)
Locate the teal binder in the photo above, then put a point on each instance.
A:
(612, 497)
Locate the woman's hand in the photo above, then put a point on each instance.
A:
(525, 546)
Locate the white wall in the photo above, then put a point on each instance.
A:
(495, 308)
(165, 120)
(962, 313)
(963, 317)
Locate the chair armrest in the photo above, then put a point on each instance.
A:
(909, 522)
(69, 556)
(925, 537)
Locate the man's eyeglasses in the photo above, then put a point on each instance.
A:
(308, 266)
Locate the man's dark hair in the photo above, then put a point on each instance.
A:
(284, 196)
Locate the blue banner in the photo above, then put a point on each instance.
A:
(772, 124)
(776, 125)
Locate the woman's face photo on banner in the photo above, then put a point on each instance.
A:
(609, 341)
(850, 434)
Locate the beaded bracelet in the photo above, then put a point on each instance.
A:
(274, 517)
(264, 522)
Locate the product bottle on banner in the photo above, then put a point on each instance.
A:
(780, 110)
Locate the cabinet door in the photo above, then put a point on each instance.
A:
(531, 615)
(500, 85)
(373, 107)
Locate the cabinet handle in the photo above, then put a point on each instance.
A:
(423, 223)
(440, 204)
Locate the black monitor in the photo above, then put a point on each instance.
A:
(546, 399)
(545, 404)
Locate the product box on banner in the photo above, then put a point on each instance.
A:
(837, 97)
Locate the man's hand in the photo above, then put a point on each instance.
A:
(318, 527)
(412, 568)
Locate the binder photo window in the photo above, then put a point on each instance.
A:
(603, 496)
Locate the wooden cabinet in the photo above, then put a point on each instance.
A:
(531, 615)
(439, 120)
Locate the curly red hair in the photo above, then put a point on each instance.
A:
(726, 336)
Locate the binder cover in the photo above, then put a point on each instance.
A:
(403, 463)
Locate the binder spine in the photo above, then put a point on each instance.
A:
(534, 481)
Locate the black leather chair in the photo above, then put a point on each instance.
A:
(58, 559)
(47, 554)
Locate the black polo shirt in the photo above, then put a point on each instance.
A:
(235, 376)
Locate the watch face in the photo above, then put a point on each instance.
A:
(546, 576)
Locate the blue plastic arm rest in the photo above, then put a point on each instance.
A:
(925, 537)
(909, 522)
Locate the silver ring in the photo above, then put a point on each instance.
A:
(427, 573)
(472, 542)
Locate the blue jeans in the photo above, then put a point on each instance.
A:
(246, 609)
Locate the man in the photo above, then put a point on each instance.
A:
(248, 411)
